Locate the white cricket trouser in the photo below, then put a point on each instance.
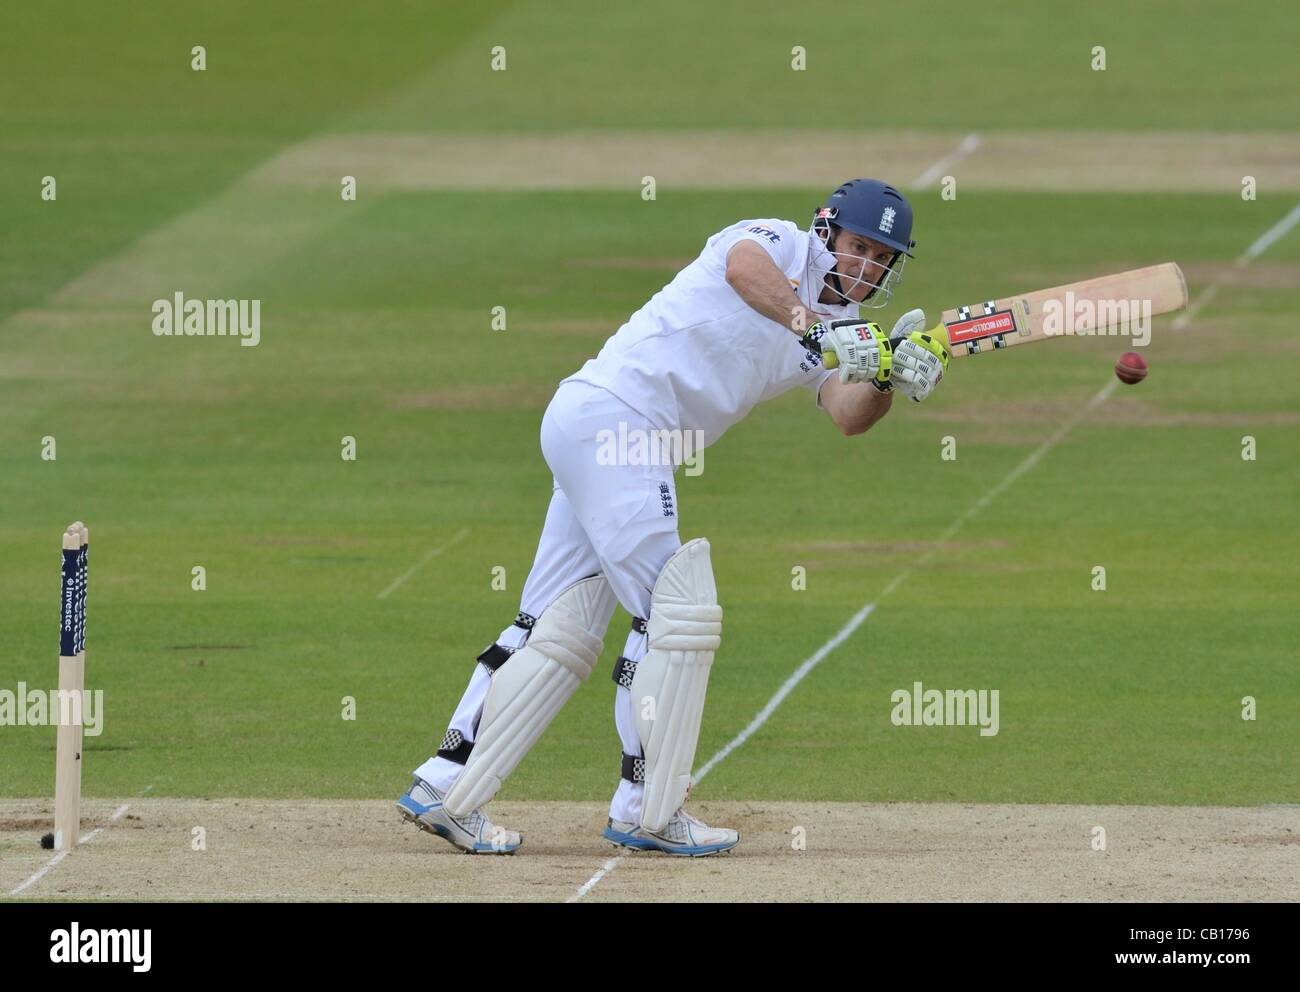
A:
(616, 519)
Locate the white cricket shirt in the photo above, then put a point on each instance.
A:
(697, 356)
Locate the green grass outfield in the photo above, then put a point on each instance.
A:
(199, 452)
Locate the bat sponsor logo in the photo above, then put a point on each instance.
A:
(998, 322)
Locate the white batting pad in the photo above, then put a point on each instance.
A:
(685, 629)
(531, 688)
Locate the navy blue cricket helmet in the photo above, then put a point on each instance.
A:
(873, 209)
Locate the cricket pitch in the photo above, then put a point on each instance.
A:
(258, 849)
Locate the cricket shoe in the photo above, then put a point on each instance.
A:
(682, 835)
(473, 834)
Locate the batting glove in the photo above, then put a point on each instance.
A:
(858, 348)
(920, 361)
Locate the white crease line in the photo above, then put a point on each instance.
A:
(1257, 248)
(588, 885)
(429, 556)
(1032, 459)
(40, 874)
(1209, 293)
(968, 145)
(786, 688)
(1029, 461)
(117, 815)
(1273, 234)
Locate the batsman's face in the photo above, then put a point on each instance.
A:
(861, 262)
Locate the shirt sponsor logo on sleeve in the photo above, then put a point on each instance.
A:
(765, 232)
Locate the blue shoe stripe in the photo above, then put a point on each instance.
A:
(418, 810)
(488, 848)
(644, 843)
(406, 802)
(629, 840)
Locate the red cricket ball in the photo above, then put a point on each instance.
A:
(1131, 367)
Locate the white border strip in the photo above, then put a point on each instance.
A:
(117, 815)
(786, 689)
(936, 171)
(429, 556)
(1257, 248)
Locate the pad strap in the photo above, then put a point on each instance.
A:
(455, 748)
(494, 656)
(633, 769)
(624, 669)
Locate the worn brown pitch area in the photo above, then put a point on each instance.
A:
(1066, 161)
(360, 850)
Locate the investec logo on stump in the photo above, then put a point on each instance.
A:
(77, 946)
(180, 317)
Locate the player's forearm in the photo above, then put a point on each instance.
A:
(757, 280)
(854, 407)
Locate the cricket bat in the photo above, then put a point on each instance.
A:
(1100, 306)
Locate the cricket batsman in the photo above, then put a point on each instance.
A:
(748, 319)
